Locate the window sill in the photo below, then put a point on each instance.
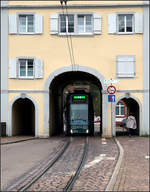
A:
(26, 78)
(27, 33)
(126, 33)
(76, 34)
(126, 77)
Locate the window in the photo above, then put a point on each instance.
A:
(78, 24)
(84, 24)
(26, 23)
(67, 23)
(125, 23)
(120, 109)
(126, 66)
(26, 68)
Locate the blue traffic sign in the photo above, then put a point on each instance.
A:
(111, 98)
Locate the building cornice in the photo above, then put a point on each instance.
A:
(43, 91)
(81, 6)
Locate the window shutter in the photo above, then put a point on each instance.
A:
(38, 24)
(12, 24)
(12, 68)
(112, 23)
(54, 23)
(138, 23)
(38, 68)
(126, 66)
(97, 24)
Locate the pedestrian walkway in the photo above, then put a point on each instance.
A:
(134, 171)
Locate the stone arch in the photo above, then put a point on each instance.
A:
(11, 108)
(114, 107)
(77, 68)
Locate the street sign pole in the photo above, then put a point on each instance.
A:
(111, 90)
(111, 114)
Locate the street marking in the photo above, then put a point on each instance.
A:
(102, 155)
(98, 159)
(104, 143)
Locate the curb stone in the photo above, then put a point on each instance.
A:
(113, 179)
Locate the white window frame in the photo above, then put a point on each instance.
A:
(66, 24)
(26, 76)
(76, 24)
(84, 24)
(26, 15)
(120, 105)
(133, 23)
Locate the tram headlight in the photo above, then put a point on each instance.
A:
(71, 131)
(87, 131)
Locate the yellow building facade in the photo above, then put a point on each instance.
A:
(104, 40)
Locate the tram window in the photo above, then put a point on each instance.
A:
(79, 112)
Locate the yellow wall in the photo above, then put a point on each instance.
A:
(98, 52)
(101, 54)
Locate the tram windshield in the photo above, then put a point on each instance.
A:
(79, 113)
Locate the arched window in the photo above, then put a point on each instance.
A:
(121, 109)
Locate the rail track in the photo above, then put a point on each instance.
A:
(73, 179)
(27, 182)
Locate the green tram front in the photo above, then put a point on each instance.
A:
(79, 114)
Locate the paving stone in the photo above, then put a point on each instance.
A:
(134, 171)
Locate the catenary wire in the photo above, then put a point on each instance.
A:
(69, 46)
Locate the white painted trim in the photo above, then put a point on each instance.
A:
(18, 14)
(146, 125)
(4, 65)
(10, 113)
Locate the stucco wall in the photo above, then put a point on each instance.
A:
(98, 52)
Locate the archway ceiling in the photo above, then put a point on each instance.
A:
(66, 78)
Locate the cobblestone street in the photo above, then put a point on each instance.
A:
(134, 171)
(99, 167)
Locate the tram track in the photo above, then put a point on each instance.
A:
(73, 179)
(65, 172)
(78, 155)
(85, 164)
(31, 178)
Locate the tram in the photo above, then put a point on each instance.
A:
(79, 113)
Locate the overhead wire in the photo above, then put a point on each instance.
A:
(70, 45)
(70, 37)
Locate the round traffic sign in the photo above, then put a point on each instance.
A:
(111, 89)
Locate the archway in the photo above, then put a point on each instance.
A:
(57, 97)
(48, 102)
(23, 117)
(124, 107)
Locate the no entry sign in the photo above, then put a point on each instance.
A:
(111, 89)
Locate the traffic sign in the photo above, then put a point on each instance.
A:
(111, 89)
(114, 81)
(111, 98)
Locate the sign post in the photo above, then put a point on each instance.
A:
(111, 90)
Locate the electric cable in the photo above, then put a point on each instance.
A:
(69, 47)
(70, 37)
